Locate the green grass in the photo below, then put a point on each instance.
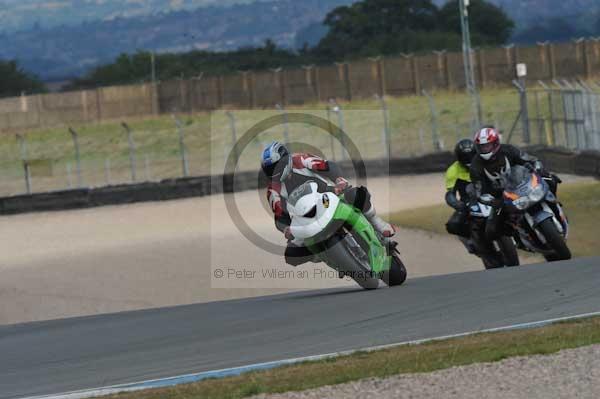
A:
(581, 202)
(209, 138)
(428, 357)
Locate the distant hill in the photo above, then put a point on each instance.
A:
(19, 15)
(67, 51)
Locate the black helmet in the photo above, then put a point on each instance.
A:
(465, 151)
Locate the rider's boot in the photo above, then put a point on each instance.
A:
(386, 229)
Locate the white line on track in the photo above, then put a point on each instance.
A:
(190, 378)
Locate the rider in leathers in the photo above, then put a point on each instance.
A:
(285, 172)
(487, 168)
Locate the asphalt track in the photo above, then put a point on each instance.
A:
(72, 354)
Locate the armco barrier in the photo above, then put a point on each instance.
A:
(561, 161)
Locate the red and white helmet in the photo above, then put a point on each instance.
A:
(487, 142)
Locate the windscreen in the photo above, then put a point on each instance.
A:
(518, 176)
(300, 192)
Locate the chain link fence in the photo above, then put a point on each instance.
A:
(96, 155)
(561, 114)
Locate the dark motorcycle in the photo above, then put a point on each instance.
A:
(534, 213)
(494, 254)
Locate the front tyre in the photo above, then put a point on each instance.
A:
(397, 273)
(508, 250)
(555, 241)
(344, 260)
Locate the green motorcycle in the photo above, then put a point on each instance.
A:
(342, 237)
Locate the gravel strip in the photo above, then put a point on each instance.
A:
(571, 373)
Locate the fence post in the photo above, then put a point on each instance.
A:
(99, 105)
(481, 68)
(248, 87)
(182, 95)
(386, 140)
(337, 109)
(552, 61)
(182, 150)
(377, 73)
(317, 83)
(381, 71)
(441, 71)
(75, 138)
(147, 167)
(220, 92)
(24, 156)
(435, 137)
(286, 127)
(330, 131)
(131, 143)
(421, 140)
(587, 62)
(415, 73)
(155, 98)
(69, 177)
(84, 105)
(107, 176)
(280, 82)
(233, 135)
(520, 85)
(344, 74)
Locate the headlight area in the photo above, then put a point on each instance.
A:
(523, 203)
(537, 193)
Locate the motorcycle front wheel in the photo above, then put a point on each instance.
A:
(508, 250)
(555, 241)
(396, 275)
(343, 259)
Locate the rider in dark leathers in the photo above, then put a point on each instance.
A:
(487, 168)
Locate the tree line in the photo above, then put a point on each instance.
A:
(14, 80)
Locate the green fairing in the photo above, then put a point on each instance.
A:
(378, 257)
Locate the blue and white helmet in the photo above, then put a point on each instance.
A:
(276, 161)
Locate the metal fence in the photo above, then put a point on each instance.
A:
(405, 74)
(95, 155)
(562, 114)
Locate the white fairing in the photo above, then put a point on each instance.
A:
(481, 210)
(326, 203)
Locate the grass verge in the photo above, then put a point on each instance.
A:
(488, 347)
(581, 202)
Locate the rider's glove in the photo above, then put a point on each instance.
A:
(341, 185)
(557, 179)
(287, 232)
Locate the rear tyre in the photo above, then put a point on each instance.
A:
(555, 241)
(396, 275)
(491, 262)
(341, 258)
(509, 252)
(487, 252)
